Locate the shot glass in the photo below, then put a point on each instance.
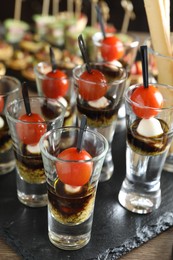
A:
(102, 112)
(160, 68)
(47, 85)
(71, 196)
(31, 180)
(129, 47)
(9, 90)
(148, 142)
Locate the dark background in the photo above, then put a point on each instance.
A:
(30, 7)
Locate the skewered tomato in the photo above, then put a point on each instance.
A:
(56, 85)
(92, 85)
(111, 48)
(1, 103)
(74, 173)
(149, 97)
(31, 133)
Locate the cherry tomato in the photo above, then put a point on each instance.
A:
(56, 86)
(92, 85)
(111, 48)
(74, 173)
(31, 133)
(1, 103)
(150, 97)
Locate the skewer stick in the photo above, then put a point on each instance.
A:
(70, 6)
(55, 6)
(166, 4)
(78, 5)
(45, 9)
(157, 24)
(129, 14)
(93, 12)
(160, 39)
(17, 9)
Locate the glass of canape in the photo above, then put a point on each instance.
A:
(149, 135)
(58, 87)
(160, 69)
(100, 102)
(26, 131)
(72, 178)
(10, 88)
(121, 50)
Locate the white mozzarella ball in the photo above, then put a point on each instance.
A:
(150, 127)
(72, 189)
(99, 103)
(63, 101)
(34, 149)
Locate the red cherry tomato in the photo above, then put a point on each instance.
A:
(56, 86)
(31, 133)
(150, 97)
(111, 48)
(1, 103)
(92, 85)
(74, 173)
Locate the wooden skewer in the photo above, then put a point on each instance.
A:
(157, 24)
(70, 6)
(55, 6)
(17, 9)
(166, 4)
(45, 9)
(93, 13)
(129, 14)
(78, 5)
(155, 11)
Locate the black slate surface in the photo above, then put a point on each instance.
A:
(115, 230)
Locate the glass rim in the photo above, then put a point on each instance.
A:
(15, 81)
(45, 136)
(135, 39)
(117, 81)
(128, 99)
(44, 76)
(34, 98)
(156, 53)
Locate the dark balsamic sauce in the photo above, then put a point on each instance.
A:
(68, 203)
(147, 145)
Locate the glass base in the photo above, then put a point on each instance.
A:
(108, 168)
(139, 202)
(32, 200)
(69, 236)
(168, 166)
(69, 242)
(31, 194)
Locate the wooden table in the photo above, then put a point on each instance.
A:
(159, 248)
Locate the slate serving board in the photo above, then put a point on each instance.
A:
(115, 230)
